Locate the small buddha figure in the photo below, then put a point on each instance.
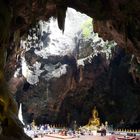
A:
(33, 126)
(106, 124)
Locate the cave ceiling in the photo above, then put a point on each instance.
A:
(118, 20)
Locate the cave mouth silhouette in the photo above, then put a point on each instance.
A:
(19, 21)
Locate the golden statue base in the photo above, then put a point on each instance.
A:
(91, 128)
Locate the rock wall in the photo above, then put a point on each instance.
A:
(68, 85)
(109, 87)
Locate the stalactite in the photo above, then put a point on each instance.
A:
(134, 68)
(73, 83)
(81, 73)
(61, 14)
(16, 39)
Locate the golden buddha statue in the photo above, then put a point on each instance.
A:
(94, 121)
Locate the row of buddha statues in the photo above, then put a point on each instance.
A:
(95, 124)
(127, 130)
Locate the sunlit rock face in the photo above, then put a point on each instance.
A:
(48, 66)
(47, 54)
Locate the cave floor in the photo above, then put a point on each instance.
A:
(80, 138)
(87, 137)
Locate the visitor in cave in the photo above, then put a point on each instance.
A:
(103, 130)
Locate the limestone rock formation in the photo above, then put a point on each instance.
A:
(55, 66)
(90, 73)
(118, 20)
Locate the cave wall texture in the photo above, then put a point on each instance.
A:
(118, 20)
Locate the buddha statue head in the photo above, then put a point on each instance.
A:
(94, 112)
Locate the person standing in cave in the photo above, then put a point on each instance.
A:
(68, 119)
(103, 130)
(74, 126)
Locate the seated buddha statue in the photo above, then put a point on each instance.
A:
(94, 121)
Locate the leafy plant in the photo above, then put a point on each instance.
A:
(87, 28)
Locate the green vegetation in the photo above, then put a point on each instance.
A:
(87, 28)
(109, 45)
(90, 43)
